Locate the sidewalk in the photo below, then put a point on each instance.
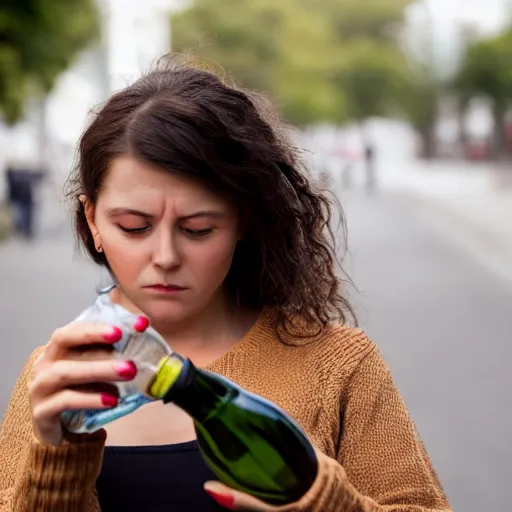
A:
(473, 203)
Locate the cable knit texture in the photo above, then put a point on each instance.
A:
(336, 386)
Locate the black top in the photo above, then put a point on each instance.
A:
(165, 478)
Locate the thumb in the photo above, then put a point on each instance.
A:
(235, 500)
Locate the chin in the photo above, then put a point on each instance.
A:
(162, 312)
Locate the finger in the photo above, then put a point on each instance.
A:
(141, 324)
(79, 333)
(48, 411)
(64, 373)
(93, 352)
(98, 387)
(235, 500)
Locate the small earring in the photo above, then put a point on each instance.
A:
(99, 248)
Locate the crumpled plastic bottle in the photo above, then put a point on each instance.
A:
(147, 350)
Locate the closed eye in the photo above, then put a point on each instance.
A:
(197, 232)
(140, 230)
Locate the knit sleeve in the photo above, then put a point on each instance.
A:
(382, 465)
(44, 478)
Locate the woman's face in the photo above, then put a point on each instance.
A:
(168, 240)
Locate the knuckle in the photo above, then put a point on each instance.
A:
(39, 366)
(39, 359)
(36, 367)
(52, 377)
(67, 401)
(58, 336)
(35, 384)
(59, 375)
(38, 413)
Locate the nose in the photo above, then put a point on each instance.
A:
(166, 253)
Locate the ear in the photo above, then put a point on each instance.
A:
(90, 211)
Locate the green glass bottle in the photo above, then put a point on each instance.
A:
(249, 443)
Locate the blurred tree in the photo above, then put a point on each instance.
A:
(38, 40)
(374, 70)
(418, 98)
(298, 50)
(486, 72)
(378, 20)
(282, 48)
(372, 77)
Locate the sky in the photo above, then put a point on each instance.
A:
(488, 14)
(435, 28)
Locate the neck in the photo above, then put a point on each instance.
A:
(213, 324)
(206, 335)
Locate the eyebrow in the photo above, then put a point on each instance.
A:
(201, 213)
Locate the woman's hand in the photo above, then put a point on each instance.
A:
(235, 500)
(74, 373)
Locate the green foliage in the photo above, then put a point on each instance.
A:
(320, 60)
(486, 72)
(486, 69)
(371, 77)
(228, 32)
(38, 40)
(418, 94)
(377, 20)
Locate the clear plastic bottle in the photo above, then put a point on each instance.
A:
(147, 350)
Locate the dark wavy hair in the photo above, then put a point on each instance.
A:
(186, 120)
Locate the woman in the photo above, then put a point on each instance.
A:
(193, 199)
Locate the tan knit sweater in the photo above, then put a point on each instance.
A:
(336, 386)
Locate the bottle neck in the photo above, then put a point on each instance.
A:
(198, 392)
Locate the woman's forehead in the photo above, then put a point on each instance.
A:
(138, 183)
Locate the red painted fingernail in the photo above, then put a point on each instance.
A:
(115, 335)
(127, 370)
(141, 324)
(108, 400)
(224, 500)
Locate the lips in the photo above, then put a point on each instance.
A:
(166, 287)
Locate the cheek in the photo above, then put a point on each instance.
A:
(126, 259)
(213, 259)
(125, 264)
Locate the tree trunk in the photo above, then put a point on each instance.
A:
(428, 140)
(463, 139)
(500, 142)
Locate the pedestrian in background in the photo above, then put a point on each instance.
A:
(22, 186)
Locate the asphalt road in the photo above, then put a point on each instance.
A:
(441, 319)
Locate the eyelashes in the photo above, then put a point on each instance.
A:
(133, 230)
(195, 233)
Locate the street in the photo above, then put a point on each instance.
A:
(440, 317)
(442, 321)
